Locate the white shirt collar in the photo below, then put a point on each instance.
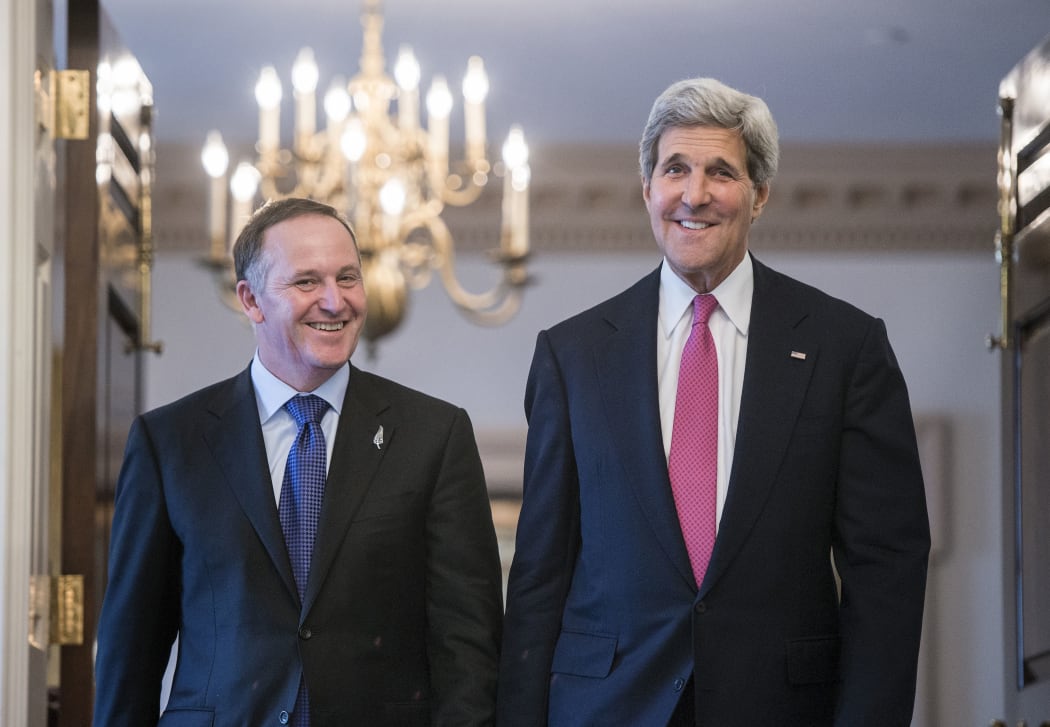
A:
(734, 297)
(272, 393)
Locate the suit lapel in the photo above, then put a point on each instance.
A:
(625, 361)
(355, 459)
(775, 384)
(237, 445)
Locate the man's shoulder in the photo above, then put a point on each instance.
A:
(640, 299)
(202, 399)
(394, 392)
(783, 289)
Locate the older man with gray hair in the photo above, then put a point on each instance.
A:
(724, 521)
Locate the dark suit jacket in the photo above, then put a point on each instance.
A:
(604, 622)
(400, 622)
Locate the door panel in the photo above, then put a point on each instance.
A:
(1024, 253)
(1032, 493)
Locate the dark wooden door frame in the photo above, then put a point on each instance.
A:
(81, 313)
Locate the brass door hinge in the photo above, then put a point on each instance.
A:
(67, 610)
(64, 103)
(56, 611)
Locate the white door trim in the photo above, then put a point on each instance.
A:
(17, 306)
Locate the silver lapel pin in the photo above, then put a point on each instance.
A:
(377, 440)
(799, 355)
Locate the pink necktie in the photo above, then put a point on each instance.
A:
(693, 462)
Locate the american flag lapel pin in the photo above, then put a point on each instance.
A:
(377, 440)
(799, 355)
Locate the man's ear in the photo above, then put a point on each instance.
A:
(249, 302)
(761, 197)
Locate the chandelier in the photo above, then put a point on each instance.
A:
(390, 176)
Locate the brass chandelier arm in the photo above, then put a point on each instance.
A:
(318, 178)
(464, 194)
(492, 307)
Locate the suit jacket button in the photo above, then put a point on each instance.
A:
(700, 607)
(283, 718)
(305, 634)
(678, 684)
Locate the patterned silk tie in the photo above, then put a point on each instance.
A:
(300, 506)
(693, 462)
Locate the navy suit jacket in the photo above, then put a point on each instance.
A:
(401, 617)
(605, 623)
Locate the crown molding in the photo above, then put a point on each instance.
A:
(587, 198)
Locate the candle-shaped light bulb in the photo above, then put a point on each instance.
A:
(337, 107)
(515, 237)
(244, 182)
(515, 150)
(439, 99)
(304, 72)
(214, 155)
(475, 89)
(268, 96)
(520, 177)
(406, 72)
(439, 106)
(476, 82)
(354, 141)
(216, 160)
(337, 103)
(406, 69)
(392, 197)
(268, 88)
(304, 82)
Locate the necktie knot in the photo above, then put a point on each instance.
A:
(306, 409)
(703, 306)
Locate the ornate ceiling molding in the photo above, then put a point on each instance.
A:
(588, 199)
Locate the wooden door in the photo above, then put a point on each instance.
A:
(1024, 242)
(104, 303)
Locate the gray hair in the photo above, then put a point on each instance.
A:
(707, 102)
(248, 261)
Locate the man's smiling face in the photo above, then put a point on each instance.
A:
(311, 309)
(702, 202)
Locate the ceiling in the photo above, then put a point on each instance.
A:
(588, 70)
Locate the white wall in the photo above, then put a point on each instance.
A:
(938, 308)
(436, 349)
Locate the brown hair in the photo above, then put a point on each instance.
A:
(248, 262)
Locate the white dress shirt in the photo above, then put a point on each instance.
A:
(729, 326)
(278, 425)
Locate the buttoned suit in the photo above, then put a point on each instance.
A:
(400, 620)
(605, 623)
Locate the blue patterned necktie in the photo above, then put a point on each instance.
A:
(300, 505)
